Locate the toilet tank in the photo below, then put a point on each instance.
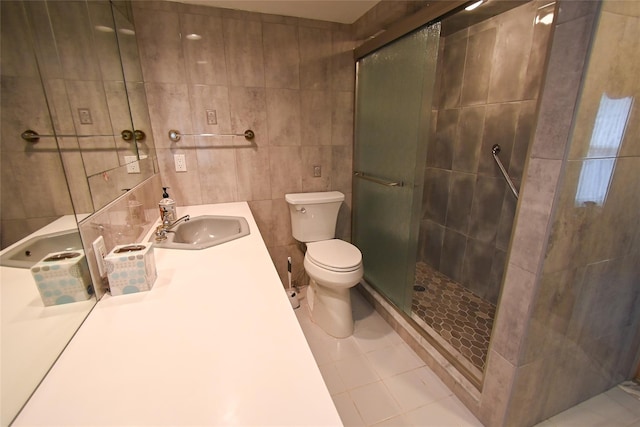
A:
(314, 215)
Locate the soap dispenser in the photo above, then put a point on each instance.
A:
(167, 207)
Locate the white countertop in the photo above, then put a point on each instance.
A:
(33, 335)
(215, 342)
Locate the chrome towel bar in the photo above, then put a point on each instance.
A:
(175, 135)
(378, 180)
(33, 136)
(495, 150)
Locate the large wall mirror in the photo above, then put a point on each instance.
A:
(75, 135)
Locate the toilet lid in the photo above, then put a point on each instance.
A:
(335, 254)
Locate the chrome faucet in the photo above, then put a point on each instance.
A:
(167, 225)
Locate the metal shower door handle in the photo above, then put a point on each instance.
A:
(380, 181)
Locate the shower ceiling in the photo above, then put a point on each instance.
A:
(343, 11)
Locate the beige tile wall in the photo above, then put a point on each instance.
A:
(582, 338)
(54, 61)
(567, 324)
(290, 80)
(33, 188)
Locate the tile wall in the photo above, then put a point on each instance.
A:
(290, 80)
(584, 332)
(487, 90)
(504, 395)
(56, 62)
(33, 188)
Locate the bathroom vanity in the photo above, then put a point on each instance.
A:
(32, 335)
(214, 342)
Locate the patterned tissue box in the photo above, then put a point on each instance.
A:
(131, 268)
(63, 277)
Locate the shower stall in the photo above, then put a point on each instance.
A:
(433, 205)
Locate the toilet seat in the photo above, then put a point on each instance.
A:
(334, 255)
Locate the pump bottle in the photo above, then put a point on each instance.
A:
(167, 207)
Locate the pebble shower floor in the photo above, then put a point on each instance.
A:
(460, 317)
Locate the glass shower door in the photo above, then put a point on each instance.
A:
(393, 113)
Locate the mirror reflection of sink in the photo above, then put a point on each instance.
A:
(28, 253)
(204, 231)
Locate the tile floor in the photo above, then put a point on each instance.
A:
(456, 314)
(375, 379)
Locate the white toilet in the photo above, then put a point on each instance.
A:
(333, 265)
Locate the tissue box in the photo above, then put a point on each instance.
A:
(131, 268)
(63, 277)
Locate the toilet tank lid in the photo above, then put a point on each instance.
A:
(311, 198)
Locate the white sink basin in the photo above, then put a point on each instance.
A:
(27, 254)
(203, 232)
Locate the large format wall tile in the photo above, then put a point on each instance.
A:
(17, 50)
(169, 108)
(204, 55)
(281, 56)
(161, 53)
(73, 35)
(511, 53)
(486, 84)
(283, 116)
(478, 67)
(243, 52)
(315, 58)
(315, 118)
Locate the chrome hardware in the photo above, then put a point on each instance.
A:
(138, 135)
(175, 135)
(127, 135)
(494, 151)
(33, 136)
(162, 229)
(378, 180)
(30, 136)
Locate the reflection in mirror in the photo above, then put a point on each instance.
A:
(95, 92)
(62, 76)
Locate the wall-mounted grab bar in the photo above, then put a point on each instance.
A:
(175, 135)
(378, 180)
(495, 150)
(33, 136)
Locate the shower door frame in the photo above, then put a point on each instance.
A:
(415, 184)
(425, 16)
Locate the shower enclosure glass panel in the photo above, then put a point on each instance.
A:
(393, 100)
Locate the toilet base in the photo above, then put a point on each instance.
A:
(331, 309)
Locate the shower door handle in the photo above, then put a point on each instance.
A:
(378, 180)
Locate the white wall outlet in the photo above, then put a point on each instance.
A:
(317, 171)
(100, 251)
(212, 117)
(85, 116)
(180, 162)
(132, 164)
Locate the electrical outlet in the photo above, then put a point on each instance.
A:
(317, 171)
(100, 251)
(180, 162)
(85, 116)
(133, 166)
(212, 118)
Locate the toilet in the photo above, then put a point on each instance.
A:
(333, 265)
